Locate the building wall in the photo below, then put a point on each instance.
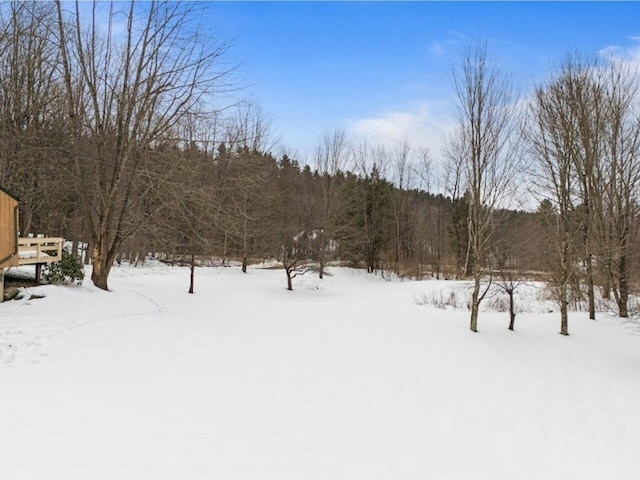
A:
(8, 232)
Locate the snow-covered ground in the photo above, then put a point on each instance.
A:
(345, 378)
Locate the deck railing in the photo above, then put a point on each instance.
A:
(32, 251)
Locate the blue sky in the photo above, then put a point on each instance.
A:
(381, 70)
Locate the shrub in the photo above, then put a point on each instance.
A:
(442, 299)
(68, 270)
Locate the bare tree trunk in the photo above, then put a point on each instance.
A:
(590, 288)
(25, 219)
(606, 286)
(589, 266)
(623, 297)
(224, 248)
(99, 274)
(396, 249)
(87, 253)
(102, 260)
(289, 282)
(245, 233)
(475, 304)
(322, 259)
(438, 244)
(192, 267)
(564, 307)
(321, 256)
(512, 311)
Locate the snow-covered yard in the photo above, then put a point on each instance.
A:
(345, 378)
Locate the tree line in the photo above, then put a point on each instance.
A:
(114, 132)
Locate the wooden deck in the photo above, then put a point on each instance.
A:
(34, 251)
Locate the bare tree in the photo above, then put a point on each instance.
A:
(509, 275)
(372, 164)
(427, 221)
(485, 100)
(249, 139)
(459, 216)
(586, 137)
(618, 180)
(32, 127)
(292, 219)
(124, 92)
(584, 88)
(330, 158)
(250, 128)
(552, 145)
(193, 206)
(401, 178)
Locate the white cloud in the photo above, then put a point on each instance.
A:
(425, 126)
(628, 53)
(610, 51)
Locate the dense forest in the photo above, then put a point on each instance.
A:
(120, 142)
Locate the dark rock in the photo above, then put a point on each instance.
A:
(10, 293)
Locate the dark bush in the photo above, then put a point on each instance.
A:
(69, 270)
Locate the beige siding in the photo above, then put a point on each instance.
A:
(8, 233)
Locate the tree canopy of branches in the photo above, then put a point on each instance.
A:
(124, 93)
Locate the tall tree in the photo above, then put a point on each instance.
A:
(402, 170)
(330, 158)
(584, 88)
(552, 145)
(485, 100)
(459, 214)
(292, 219)
(618, 180)
(125, 90)
(374, 198)
(32, 127)
(250, 137)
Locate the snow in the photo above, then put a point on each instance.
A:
(345, 378)
(31, 254)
